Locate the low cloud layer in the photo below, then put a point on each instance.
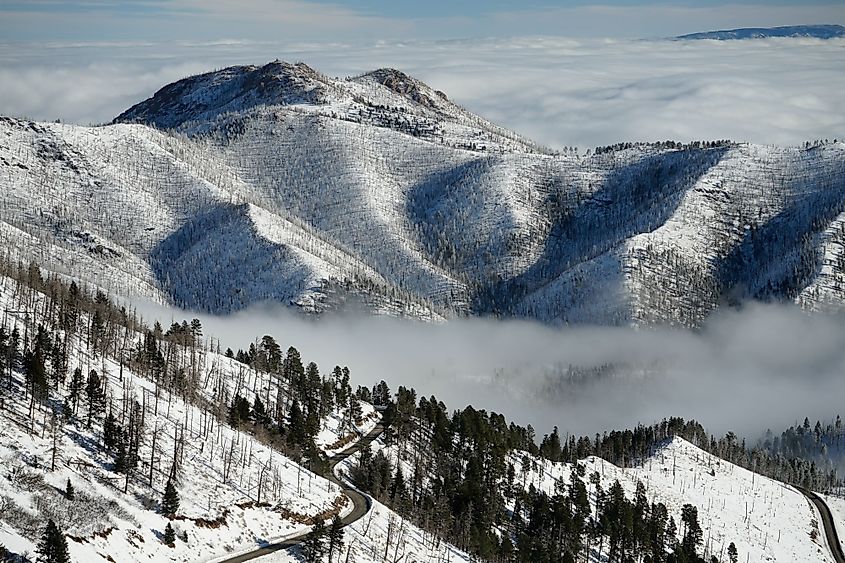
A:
(560, 92)
(763, 367)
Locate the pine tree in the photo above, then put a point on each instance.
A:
(111, 431)
(76, 387)
(69, 492)
(733, 555)
(53, 545)
(693, 535)
(296, 426)
(259, 413)
(170, 500)
(169, 535)
(95, 396)
(239, 412)
(314, 546)
(121, 458)
(335, 537)
(35, 371)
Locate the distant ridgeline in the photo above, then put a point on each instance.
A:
(816, 31)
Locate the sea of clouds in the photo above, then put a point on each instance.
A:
(560, 92)
(746, 370)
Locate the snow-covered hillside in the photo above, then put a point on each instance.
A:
(766, 520)
(384, 536)
(237, 490)
(376, 192)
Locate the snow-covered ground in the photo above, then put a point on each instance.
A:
(219, 469)
(383, 536)
(766, 519)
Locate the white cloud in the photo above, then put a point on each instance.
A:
(558, 91)
(763, 367)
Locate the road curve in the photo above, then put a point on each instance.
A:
(361, 503)
(827, 521)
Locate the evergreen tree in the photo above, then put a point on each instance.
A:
(75, 389)
(95, 396)
(259, 413)
(271, 354)
(671, 534)
(397, 486)
(169, 535)
(381, 394)
(35, 371)
(335, 538)
(69, 492)
(550, 447)
(170, 500)
(733, 555)
(296, 425)
(239, 412)
(53, 545)
(121, 456)
(314, 546)
(111, 431)
(693, 535)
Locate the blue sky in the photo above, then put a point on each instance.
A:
(588, 81)
(366, 20)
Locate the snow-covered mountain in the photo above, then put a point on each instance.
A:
(821, 31)
(377, 192)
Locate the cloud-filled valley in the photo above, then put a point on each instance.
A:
(746, 370)
(560, 92)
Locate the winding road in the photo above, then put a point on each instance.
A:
(361, 503)
(827, 521)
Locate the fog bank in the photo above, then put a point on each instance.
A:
(761, 367)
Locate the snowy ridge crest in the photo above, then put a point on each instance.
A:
(377, 192)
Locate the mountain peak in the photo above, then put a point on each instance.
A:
(204, 96)
(407, 86)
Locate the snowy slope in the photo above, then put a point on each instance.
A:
(377, 192)
(779, 522)
(236, 492)
(384, 536)
(766, 519)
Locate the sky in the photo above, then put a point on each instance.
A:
(326, 20)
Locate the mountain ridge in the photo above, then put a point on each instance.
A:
(378, 193)
(818, 31)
